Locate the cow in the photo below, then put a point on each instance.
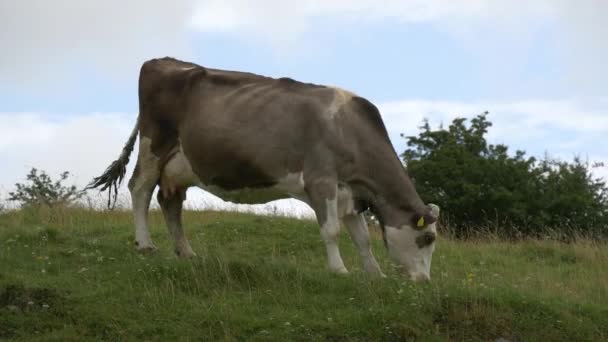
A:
(249, 138)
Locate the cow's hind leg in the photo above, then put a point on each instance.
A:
(324, 201)
(357, 227)
(171, 204)
(141, 185)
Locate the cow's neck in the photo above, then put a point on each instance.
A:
(385, 185)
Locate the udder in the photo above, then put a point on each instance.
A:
(177, 175)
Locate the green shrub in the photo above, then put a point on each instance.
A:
(41, 190)
(482, 186)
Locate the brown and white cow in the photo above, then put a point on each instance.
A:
(252, 139)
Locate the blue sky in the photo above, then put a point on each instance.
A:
(69, 80)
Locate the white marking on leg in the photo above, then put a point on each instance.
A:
(357, 228)
(329, 232)
(141, 194)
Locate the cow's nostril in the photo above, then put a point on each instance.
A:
(425, 239)
(430, 237)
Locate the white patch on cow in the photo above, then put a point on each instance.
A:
(290, 186)
(329, 233)
(404, 251)
(357, 228)
(187, 68)
(341, 97)
(141, 190)
(346, 203)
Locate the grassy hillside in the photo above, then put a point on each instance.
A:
(74, 275)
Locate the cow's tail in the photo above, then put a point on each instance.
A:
(112, 177)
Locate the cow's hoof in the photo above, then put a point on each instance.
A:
(186, 254)
(341, 270)
(147, 248)
(376, 274)
(374, 269)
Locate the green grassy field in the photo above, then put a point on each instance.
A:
(73, 275)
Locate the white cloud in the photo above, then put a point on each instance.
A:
(534, 114)
(81, 144)
(268, 15)
(44, 41)
(584, 43)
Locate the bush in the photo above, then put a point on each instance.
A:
(42, 191)
(480, 185)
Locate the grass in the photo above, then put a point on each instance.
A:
(73, 275)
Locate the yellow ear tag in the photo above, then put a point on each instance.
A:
(420, 222)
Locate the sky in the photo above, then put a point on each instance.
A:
(68, 71)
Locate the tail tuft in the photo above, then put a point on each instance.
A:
(112, 177)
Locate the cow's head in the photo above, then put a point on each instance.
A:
(411, 244)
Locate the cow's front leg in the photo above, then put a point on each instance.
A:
(324, 201)
(357, 228)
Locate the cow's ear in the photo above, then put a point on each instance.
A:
(420, 221)
(434, 210)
